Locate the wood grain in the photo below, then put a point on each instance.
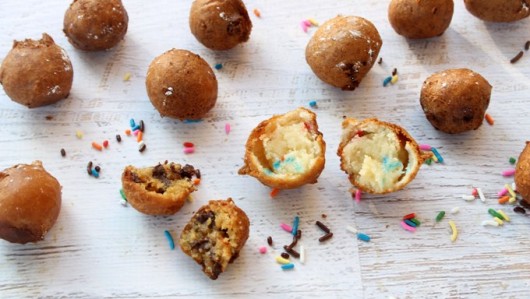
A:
(100, 249)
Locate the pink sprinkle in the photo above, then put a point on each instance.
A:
(357, 195)
(304, 26)
(407, 227)
(508, 172)
(227, 128)
(135, 132)
(474, 192)
(189, 150)
(263, 250)
(306, 23)
(425, 147)
(286, 227)
(503, 192)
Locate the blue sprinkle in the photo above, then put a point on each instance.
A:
(363, 237)
(389, 165)
(410, 223)
(387, 80)
(276, 164)
(437, 154)
(218, 66)
(267, 171)
(288, 266)
(189, 121)
(289, 159)
(95, 173)
(296, 221)
(132, 123)
(137, 127)
(170, 239)
(313, 104)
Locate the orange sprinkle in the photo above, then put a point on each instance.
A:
(196, 182)
(489, 119)
(140, 136)
(257, 13)
(97, 146)
(504, 199)
(274, 192)
(128, 132)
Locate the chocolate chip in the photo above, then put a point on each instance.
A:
(216, 270)
(203, 217)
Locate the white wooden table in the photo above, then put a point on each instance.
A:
(99, 248)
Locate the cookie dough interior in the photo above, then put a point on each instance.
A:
(378, 158)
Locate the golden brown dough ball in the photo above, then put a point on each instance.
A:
(30, 202)
(220, 24)
(180, 84)
(343, 50)
(522, 173)
(455, 100)
(499, 10)
(95, 25)
(36, 72)
(420, 18)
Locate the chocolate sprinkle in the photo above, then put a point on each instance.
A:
(519, 210)
(291, 251)
(118, 138)
(63, 152)
(380, 60)
(198, 173)
(517, 57)
(269, 240)
(394, 72)
(527, 45)
(323, 227)
(293, 244)
(285, 255)
(142, 125)
(325, 237)
(89, 168)
(141, 149)
(299, 234)
(97, 168)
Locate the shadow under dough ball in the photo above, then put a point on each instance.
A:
(220, 24)
(420, 19)
(455, 100)
(30, 202)
(499, 10)
(95, 25)
(180, 84)
(343, 50)
(36, 72)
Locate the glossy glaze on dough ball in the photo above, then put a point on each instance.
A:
(455, 100)
(30, 202)
(420, 18)
(36, 72)
(343, 50)
(499, 10)
(220, 24)
(180, 84)
(95, 25)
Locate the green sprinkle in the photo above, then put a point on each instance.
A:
(496, 214)
(415, 221)
(123, 195)
(512, 160)
(440, 216)
(428, 161)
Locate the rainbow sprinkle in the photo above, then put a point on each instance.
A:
(437, 155)
(312, 104)
(227, 128)
(79, 134)
(506, 218)
(287, 266)
(407, 227)
(454, 234)
(263, 250)
(189, 150)
(510, 190)
(387, 80)
(281, 260)
(302, 254)
(489, 119)
(425, 147)
(170, 240)
(508, 172)
(257, 13)
(296, 222)
(218, 66)
(286, 227)
(363, 237)
(274, 192)
(358, 195)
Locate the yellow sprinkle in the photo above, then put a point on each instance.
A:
(506, 218)
(127, 77)
(281, 260)
(512, 200)
(510, 190)
(79, 134)
(433, 157)
(313, 22)
(454, 230)
(394, 79)
(190, 198)
(500, 222)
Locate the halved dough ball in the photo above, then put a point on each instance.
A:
(95, 25)
(181, 85)
(455, 100)
(30, 202)
(343, 50)
(215, 235)
(420, 18)
(158, 190)
(220, 24)
(499, 10)
(36, 72)
(286, 151)
(378, 157)
(522, 173)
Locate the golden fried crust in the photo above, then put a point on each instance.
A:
(420, 19)
(181, 85)
(499, 10)
(95, 25)
(220, 24)
(254, 156)
(36, 72)
(159, 190)
(352, 127)
(215, 235)
(30, 202)
(522, 173)
(343, 50)
(455, 100)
